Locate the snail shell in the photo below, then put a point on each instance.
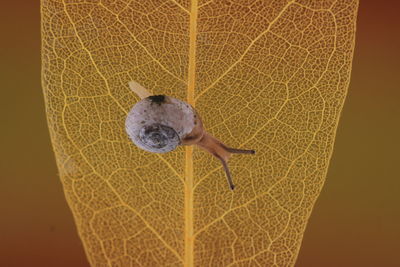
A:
(158, 123)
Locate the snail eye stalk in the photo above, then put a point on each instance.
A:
(222, 152)
(228, 174)
(240, 151)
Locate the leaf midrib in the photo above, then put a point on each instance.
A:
(189, 237)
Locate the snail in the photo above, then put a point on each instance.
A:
(160, 123)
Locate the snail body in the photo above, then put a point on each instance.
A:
(160, 123)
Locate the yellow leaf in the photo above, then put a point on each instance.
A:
(265, 75)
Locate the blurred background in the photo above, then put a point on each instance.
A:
(356, 220)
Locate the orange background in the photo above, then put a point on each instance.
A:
(356, 221)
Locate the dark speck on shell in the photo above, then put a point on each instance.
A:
(159, 99)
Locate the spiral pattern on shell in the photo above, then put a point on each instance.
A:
(159, 137)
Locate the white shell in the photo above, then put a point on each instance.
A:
(158, 123)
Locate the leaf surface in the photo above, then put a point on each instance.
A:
(265, 75)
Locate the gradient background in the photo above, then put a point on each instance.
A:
(356, 221)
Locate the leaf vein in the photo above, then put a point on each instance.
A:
(246, 50)
(92, 167)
